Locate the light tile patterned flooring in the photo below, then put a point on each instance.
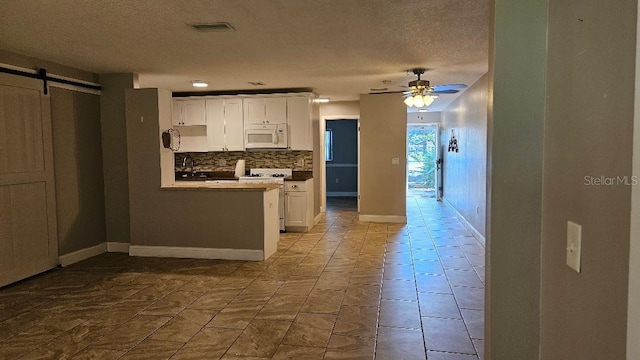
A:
(346, 290)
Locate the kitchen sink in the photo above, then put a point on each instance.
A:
(190, 176)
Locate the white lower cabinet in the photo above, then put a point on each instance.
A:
(298, 205)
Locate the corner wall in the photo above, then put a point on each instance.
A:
(465, 171)
(588, 134)
(633, 313)
(515, 129)
(383, 136)
(114, 154)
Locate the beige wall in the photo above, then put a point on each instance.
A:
(77, 150)
(633, 312)
(9, 58)
(423, 118)
(383, 136)
(588, 132)
(515, 136)
(465, 171)
(181, 218)
(338, 108)
(585, 129)
(114, 154)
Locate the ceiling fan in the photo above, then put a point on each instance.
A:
(421, 93)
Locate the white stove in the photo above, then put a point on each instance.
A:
(270, 176)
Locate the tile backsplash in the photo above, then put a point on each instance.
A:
(226, 161)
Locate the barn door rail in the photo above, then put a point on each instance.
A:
(41, 74)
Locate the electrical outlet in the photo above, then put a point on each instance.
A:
(222, 162)
(395, 161)
(574, 245)
(337, 181)
(300, 162)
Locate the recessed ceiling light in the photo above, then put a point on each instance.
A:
(322, 100)
(199, 84)
(422, 110)
(256, 83)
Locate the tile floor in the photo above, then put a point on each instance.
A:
(346, 290)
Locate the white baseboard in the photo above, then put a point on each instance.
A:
(384, 218)
(316, 220)
(466, 223)
(82, 254)
(342, 194)
(117, 247)
(196, 253)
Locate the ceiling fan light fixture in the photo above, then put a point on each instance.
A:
(418, 101)
(428, 100)
(409, 101)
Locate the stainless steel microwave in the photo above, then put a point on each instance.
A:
(270, 136)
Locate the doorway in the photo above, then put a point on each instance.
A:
(423, 175)
(340, 158)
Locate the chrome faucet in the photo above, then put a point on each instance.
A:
(184, 164)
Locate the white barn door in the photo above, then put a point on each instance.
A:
(28, 233)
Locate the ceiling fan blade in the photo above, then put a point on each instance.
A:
(449, 87)
(444, 92)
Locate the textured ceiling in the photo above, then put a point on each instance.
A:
(340, 48)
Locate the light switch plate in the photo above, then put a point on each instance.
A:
(574, 245)
(395, 161)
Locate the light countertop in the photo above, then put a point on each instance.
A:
(228, 185)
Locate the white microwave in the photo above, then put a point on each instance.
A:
(271, 136)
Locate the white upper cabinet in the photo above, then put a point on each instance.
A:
(234, 127)
(276, 110)
(299, 119)
(188, 112)
(254, 110)
(270, 110)
(225, 130)
(215, 125)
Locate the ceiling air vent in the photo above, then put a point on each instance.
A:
(217, 26)
(256, 83)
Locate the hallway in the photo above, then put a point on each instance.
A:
(346, 290)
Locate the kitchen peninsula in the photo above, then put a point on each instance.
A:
(189, 219)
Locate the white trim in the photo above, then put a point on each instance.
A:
(383, 218)
(331, 164)
(82, 254)
(467, 224)
(342, 193)
(318, 217)
(118, 247)
(196, 253)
